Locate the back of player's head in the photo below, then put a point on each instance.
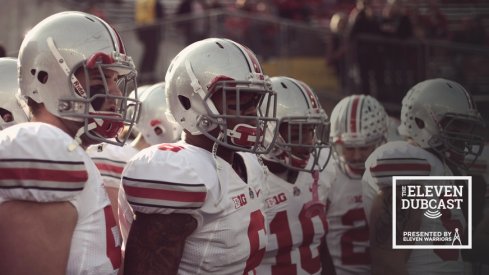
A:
(303, 126)
(70, 43)
(11, 110)
(219, 84)
(155, 123)
(439, 114)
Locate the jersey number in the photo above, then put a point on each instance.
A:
(354, 235)
(113, 248)
(170, 147)
(281, 228)
(257, 224)
(449, 224)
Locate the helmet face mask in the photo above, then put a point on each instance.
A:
(62, 57)
(97, 85)
(303, 140)
(215, 88)
(439, 114)
(237, 111)
(301, 145)
(461, 138)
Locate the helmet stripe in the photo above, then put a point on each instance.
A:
(114, 35)
(354, 112)
(122, 49)
(312, 98)
(253, 60)
(253, 64)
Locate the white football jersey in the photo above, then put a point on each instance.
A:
(33, 170)
(400, 158)
(348, 235)
(180, 178)
(297, 225)
(110, 160)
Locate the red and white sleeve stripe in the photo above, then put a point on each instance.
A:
(41, 180)
(384, 169)
(150, 196)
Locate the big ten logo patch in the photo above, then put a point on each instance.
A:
(440, 203)
(239, 201)
(276, 199)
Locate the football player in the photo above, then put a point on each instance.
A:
(196, 210)
(296, 197)
(155, 125)
(443, 127)
(11, 109)
(358, 126)
(56, 217)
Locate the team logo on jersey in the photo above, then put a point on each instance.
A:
(297, 191)
(439, 203)
(239, 201)
(252, 194)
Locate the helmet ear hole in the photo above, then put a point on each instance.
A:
(42, 76)
(185, 101)
(419, 122)
(158, 131)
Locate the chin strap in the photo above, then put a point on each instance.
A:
(107, 128)
(77, 139)
(215, 146)
(314, 206)
(295, 161)
(265, 186)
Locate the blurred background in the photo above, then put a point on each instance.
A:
(338, 47)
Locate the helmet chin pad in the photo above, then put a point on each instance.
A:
(108, 128)
(298, 162)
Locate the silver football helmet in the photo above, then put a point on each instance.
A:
(67, 42)
(155, 123)
(303, 140)
(358, 122)
(11, 110)
(439, 114)
(220, 68)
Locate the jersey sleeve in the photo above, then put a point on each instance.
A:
(159, 181)
(32, 169)
(398, 158)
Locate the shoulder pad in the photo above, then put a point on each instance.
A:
(399, 158)
(164, 180)
(110, 161)
(32, 169)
